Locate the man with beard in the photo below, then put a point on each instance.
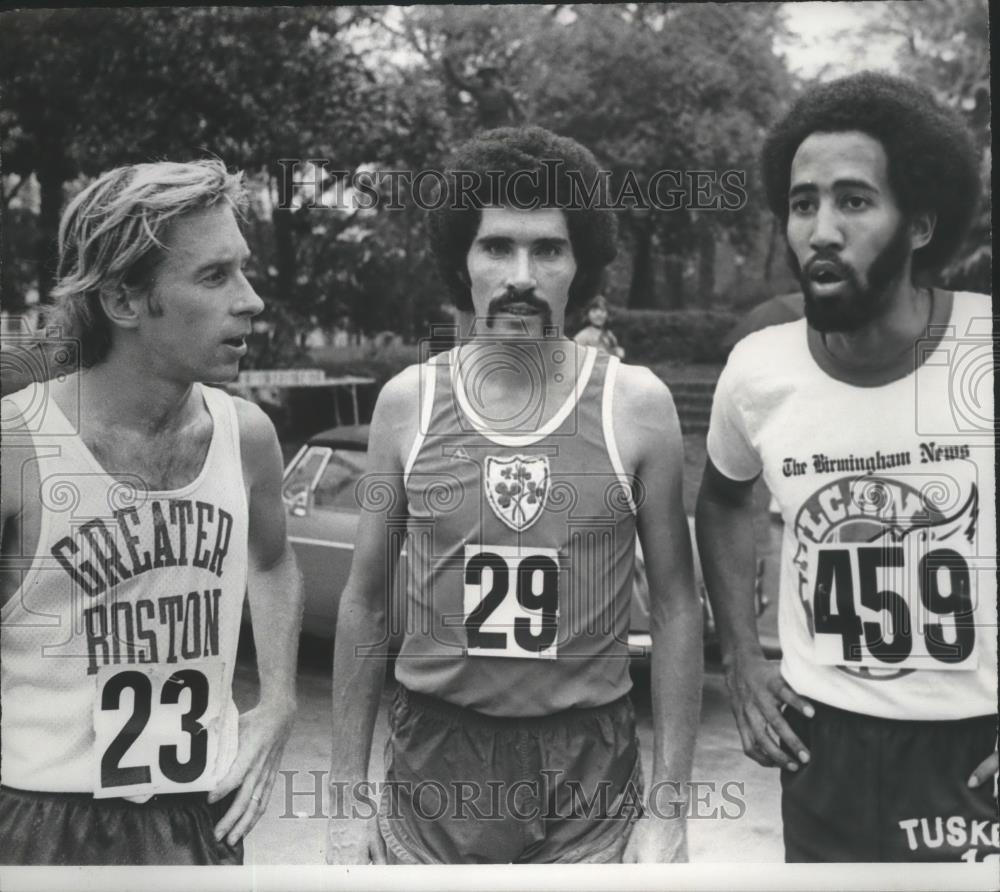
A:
(882, 713)
(519, 468)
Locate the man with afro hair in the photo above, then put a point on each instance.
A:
(518, 468)
(871, 421)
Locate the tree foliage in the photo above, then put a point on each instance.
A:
(86, 90)
(648, 87)
(669, 87)
(945, 45)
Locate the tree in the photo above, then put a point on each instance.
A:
(667, 87)
(250, 86)
(945, 45)
(647, 87)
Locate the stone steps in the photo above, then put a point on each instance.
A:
(694, 404)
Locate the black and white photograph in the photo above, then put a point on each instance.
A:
(446, 444)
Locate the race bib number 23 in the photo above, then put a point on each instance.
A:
(511, 606)
(156, 728)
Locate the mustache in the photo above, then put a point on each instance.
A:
(516, 296)
(844, 270)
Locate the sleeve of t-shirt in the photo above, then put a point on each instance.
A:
(728, 442)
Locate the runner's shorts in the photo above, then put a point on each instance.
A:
(880, 789)
(463, 787)
(74, 828)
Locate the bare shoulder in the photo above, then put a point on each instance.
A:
(403, 391)
(645, 419)
(255, 427)
(641, 397)
(20, 414)
(16, 457)
(20, 481)
(396, 417)
(259, 444)
(13, 422)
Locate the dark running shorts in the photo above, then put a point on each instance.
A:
(74, 828)
(467, 788)
(880, 789)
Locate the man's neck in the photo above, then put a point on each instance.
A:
(882, 340)
(517, 384)
(555, 353)
(115, 391)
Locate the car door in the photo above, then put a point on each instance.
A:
(319, 491)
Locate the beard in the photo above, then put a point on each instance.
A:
(861, 302)
(511, 297)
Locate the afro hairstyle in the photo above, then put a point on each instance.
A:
(933, 166)
(560, 173)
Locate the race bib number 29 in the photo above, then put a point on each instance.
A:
(511, 606)
(882, 605)
(156, 728)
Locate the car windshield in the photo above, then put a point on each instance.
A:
(299, 478)
(336, 486)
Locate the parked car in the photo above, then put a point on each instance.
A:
(319, 490)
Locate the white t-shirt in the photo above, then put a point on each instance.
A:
(886, 488)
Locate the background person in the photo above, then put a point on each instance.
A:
(596, 333)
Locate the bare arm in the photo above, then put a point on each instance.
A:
(724, 526)
(274, 588)
(21, 522)
(359, 655)
(675, 615)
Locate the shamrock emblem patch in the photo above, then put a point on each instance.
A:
(517, 487)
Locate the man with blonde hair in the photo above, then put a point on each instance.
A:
(138, 507)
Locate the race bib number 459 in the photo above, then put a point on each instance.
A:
(511, 606)
(886, 605)
(156, 728)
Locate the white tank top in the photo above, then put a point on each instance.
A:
(119, 645)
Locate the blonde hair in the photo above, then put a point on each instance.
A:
(111, 237)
